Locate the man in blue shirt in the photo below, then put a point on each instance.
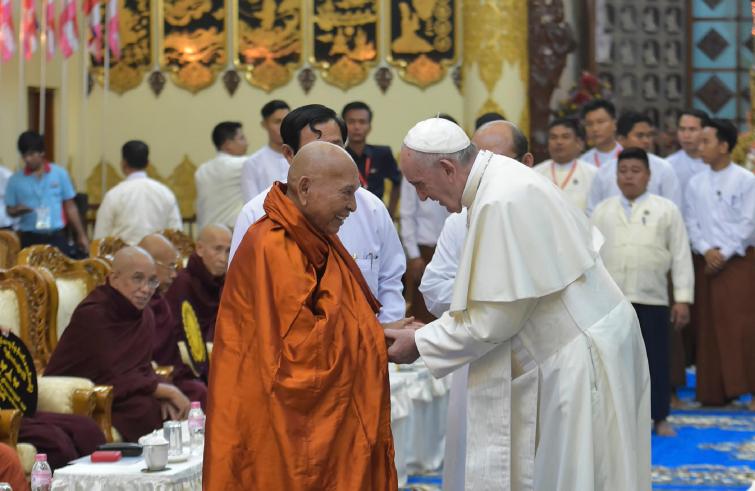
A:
(41, 195)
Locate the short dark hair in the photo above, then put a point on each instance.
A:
(487, 118)
(272, 106)
(309, 115)
(725, 131)
(136, 154)
(634, 153)
(628, 119)
(570, 123)
(447, 117)
(695, 113)
(521, 144)
(356, 105)
(596, 104)
(30, 141)
(224, 131)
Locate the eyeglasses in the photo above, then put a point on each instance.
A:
(140, 281)
(170, 266)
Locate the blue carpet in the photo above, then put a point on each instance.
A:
(714, 450)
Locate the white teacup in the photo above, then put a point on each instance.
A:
(156, 456)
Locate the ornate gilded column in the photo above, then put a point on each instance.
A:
(496, 67)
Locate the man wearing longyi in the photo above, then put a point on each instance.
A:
(299, 391)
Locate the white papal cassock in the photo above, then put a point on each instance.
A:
(558, 389)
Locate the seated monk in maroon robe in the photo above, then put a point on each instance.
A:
(109, 341)
(194, 296)
(165, 345)
(63, 437)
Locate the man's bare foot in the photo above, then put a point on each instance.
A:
(676, 403)
(664, 428)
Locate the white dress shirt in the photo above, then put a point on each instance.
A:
(598, 158)
(720, 210)
(663, 182)
(261, 170)
(136, 207)
(5, 219)
(685, 167)
(218, 184)
(370, 237)
(421, 221)
(644, 239)
(438, 279)
(574, 178)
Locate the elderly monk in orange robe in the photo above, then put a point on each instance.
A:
(109, 341)
(299, 392)
(165, 345)
(194, 296)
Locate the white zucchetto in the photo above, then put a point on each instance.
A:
(436, 135)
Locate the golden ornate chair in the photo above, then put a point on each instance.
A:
(106, 247)
(10, 424)
(73, 279)
(9, 247)
(28, 298)
(183, 243)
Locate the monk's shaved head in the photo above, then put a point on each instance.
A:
(213, 247)
(134, 275)
(322, 182)
(503, 138)
(166, 258)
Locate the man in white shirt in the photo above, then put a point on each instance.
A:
(504, 138)
(645, 238)
(368, 233)
(558, 390)
(720, 215)
(421, 223)
(218, 181)
(267, 164)
(5, 221)
(599, 118)
(635, 130)
(687, 162)
(139, 205)
(564, 169)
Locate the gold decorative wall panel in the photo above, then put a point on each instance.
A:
(128, 72)
(423, 39)
(345, 39)
(193, 36)
(268, 38)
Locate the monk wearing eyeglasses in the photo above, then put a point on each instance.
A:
(107, 342)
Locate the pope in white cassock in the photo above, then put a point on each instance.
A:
(558, 388)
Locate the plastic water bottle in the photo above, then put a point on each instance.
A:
(196, 428)
(41, 474)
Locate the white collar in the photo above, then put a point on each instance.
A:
(140, 174)
(474, 177)
(636, 201)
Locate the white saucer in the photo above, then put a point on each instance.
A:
(178, 458)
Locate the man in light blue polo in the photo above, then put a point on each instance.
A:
(41, 196)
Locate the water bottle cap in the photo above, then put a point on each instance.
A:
(196, 405)
(41, 457)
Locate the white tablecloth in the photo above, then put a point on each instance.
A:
(420, 440)
(127, 475)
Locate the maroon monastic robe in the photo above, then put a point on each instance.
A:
(109, 341)
(201, 290)
(63, 437)
(165, 351)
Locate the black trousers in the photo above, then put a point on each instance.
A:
(655, 326)
(56, 238)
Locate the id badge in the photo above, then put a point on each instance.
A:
(43, 218)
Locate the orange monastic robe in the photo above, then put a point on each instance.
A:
(299, 391)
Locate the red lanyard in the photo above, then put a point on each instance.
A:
(615, 155)
(363, 177)
(568, 176)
